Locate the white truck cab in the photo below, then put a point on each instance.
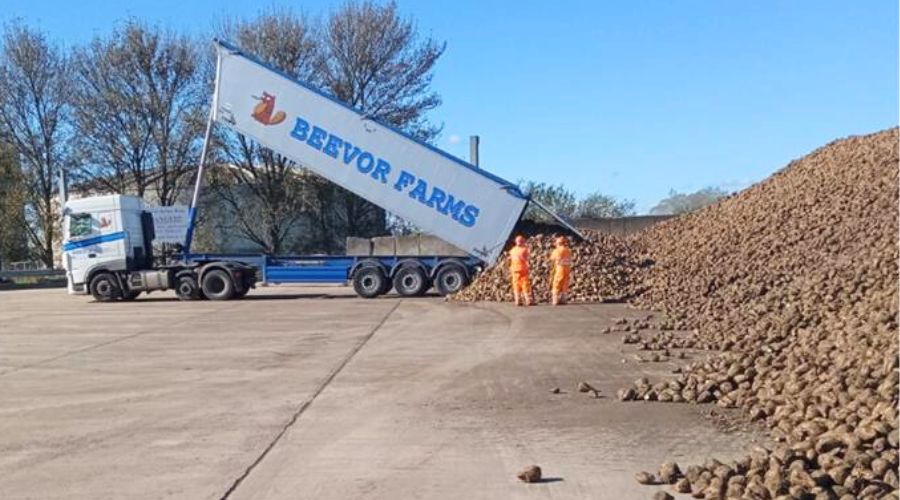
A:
(103, 233)
(108, 252)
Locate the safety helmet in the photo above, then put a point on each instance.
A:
(520, 240)
(561, 241)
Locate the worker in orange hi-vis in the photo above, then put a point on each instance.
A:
(562, 270)
(518, 270)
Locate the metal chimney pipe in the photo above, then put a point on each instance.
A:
(473, 150)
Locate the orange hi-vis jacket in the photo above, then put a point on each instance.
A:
(561, 257)
(518, 259)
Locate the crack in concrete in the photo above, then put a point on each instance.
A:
(308, 402)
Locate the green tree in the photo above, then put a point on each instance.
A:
(13, 195)
(681, 203)
(598, 205)
(558, 198)
(565, 203)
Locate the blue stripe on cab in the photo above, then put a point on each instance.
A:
(95, 240)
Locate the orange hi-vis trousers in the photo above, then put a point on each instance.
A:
(561, 278)
(562, 270)
(521, 283)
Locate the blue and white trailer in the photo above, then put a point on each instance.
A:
(108, 239)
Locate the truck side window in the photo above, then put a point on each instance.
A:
(79, 225)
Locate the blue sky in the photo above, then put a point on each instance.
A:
(629, 98)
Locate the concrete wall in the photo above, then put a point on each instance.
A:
(413, 245)
(384, 245)
(359, 246)
(621, 225)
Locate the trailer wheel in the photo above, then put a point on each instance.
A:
(105, 287)
(186, 288)
(450, 279)
(217, 285)
(411, 281)
(387, 283)
(386, 287)
(369, 282)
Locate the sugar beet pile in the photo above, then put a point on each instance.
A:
(795, 282)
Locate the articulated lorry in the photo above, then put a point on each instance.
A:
(108, 240)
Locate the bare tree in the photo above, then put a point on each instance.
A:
(115, 135)
(139, 110)
(34, 118)
(366, 56)
(374, 60)
(264, 190)
(265, 201)
(178, 100)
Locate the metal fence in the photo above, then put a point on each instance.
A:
(28, 268)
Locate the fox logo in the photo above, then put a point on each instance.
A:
(264, 112)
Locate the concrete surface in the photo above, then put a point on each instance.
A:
(312, 393)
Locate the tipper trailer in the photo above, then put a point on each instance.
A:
(108, 240)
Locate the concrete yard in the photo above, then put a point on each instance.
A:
(310, 392)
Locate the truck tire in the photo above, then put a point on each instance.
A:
(450, 279)
(386, 287)
(186, 288)
(369, 282)
(130, 295)
(411, 281)
(105, 287)
(217, 285)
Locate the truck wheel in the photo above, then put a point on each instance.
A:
(369, 282)
(450, 279)
(411, 281)
(105, 287)
(186, 288)
(386, 287)
(241, 294)
(217, 285)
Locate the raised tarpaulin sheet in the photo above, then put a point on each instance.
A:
(439, 193)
